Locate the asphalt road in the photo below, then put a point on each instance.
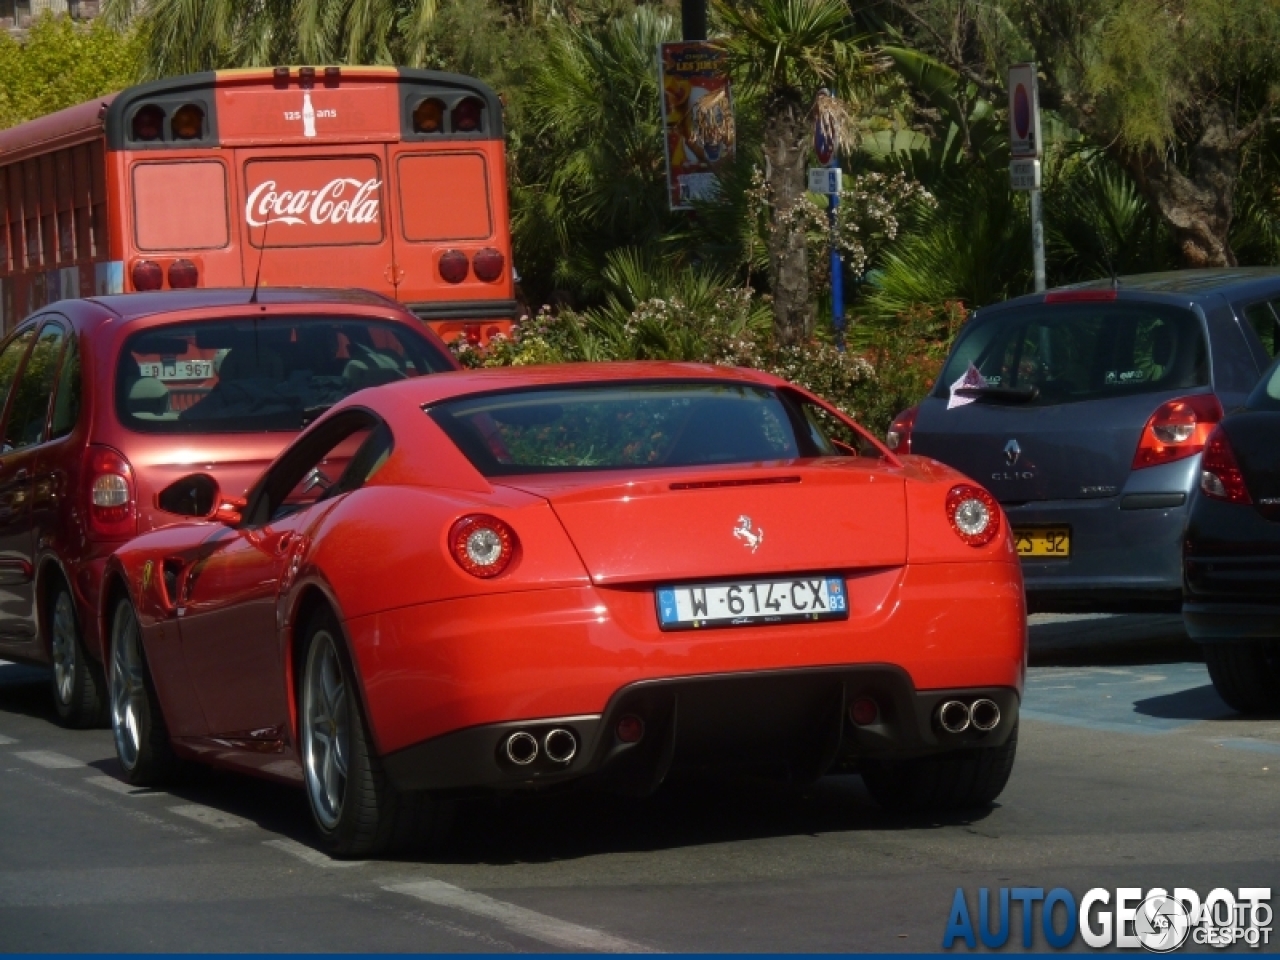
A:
(1131, 773)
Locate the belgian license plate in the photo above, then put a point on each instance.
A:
(1043, 541)
(178, 370)
(743, 602)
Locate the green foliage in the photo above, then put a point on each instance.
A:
(63, 63)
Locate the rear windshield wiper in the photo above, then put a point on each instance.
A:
(999, 394)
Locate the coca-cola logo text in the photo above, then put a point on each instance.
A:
(341, 200)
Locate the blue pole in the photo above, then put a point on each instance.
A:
(837, 268)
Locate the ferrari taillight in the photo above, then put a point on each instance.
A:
(1220, 476)
(111, 507)
(483, 546)
(974, 514)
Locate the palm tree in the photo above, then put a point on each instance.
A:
(786, 52)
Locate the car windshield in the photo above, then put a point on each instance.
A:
(628, 425)
(1069, 352)
(1266, 395)
(249, 375)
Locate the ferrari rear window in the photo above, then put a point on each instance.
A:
(624, 425)
(1089, 350)
(248, 375)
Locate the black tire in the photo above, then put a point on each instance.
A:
(969, 779)
(78, 682)
(356, 808)
(1246, 674)
(137, 723)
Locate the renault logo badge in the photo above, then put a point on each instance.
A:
(1012, 452)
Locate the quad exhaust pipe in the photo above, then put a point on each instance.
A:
(559, 745)
(956, 716)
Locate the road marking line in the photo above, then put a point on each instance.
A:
(218, 819)
(5, 741)
(530, 923)
(119, 786)
(310, 855)
(49, 760)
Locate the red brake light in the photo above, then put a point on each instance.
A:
(454, 266)
(148, 123)
(974, 514)
(147, 275)
(466, 115)
(109, 490)
(1081, 296)
(488, 264)
(183, 274)
(898, 436)
(1178, 429)
(483, 546)
(1220, 475)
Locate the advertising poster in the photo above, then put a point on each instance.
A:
(697, 116)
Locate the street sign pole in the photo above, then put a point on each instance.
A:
(829, 156)
(693, 20)
(1025, 151)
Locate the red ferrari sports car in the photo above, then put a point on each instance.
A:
(518, 578)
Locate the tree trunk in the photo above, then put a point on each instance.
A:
(785, 141)
(1197, 208)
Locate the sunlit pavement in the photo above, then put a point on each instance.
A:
(1131, 772)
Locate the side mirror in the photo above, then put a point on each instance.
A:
(230, 511)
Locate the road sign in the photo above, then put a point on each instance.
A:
(1024, 112)
(1024, 174)
(824, 145)
(826, 180)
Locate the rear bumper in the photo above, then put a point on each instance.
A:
(471, 668)
(1225, 622)
(1125, 554)
(714, 722)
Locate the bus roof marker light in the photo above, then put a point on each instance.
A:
(280, 75)
(148, 123)
(307, 75)
(428, 116)
(188, 122)
(467, 114)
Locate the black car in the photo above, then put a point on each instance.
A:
(1231, 553)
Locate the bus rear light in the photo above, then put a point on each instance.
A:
(188, 123)
(1177, 430)
(428, 116)
(148, 123)
(474, 334)
(147, 275)
(488, 264)
(112, 510)
(467, 114)
(183, 274)
(454, 266)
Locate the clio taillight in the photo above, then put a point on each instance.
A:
(1178, 429)
(898, 437)
(110, 494)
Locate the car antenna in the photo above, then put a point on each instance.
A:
(262, 252)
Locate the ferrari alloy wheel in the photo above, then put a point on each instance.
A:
(142, 739)
(968, 779)
(358, 810)
(78, 693)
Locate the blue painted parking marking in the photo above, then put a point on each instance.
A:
(1155, 698)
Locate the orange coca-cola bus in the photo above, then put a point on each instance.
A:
(384, 178)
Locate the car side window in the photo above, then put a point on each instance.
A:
(1262, 317)
(10, 360)
(66, 399)
(832, 437)
(29, 411)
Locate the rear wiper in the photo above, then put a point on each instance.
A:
(999, 394)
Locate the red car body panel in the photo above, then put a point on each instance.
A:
(572, 621)
(57, 534)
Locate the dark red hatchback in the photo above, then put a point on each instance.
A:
(117, 410)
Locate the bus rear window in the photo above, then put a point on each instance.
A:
(196, 187)
(245, 376)
(444, 196)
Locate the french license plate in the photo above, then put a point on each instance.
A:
(1043, 541)
(742, 602)
(178, 370)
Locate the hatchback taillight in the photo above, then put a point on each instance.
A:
(1220, 475)
(111, 504)
(898, 437)
(1177, 430)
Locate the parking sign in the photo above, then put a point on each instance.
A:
(1024, 112)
